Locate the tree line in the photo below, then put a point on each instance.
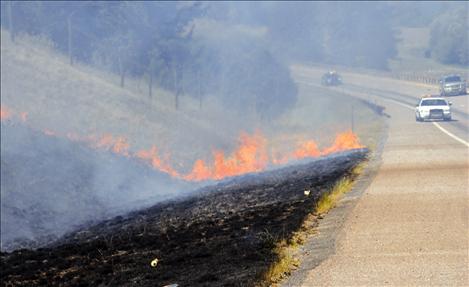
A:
(238, 51)
(160, 42)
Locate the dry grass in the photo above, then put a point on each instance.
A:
(329, 199)
(38, 80)
(286, 250)
(285, 263)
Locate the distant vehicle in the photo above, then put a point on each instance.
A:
(331, 79)
(452, 85)
(433, 108)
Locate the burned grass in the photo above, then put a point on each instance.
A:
(225, 235)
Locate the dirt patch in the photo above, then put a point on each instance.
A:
(223, 236)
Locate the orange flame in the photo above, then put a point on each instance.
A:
(48, 132)
(306, 149)
(250, 155)
(5, 113)
(344, 141)
(200, 171)
(156, 162)
(24, 116)
(118, 145)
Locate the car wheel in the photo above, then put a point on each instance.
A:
(447, 119)
(418, 119)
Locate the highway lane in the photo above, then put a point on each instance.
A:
(411, 225)
(409, 93)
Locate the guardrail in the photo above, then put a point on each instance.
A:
(426, 77)
(414, 77)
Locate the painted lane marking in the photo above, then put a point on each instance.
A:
(435, 124)
(411, 108)
(400, 104)
(450, 134)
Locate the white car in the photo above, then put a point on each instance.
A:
(433, 108)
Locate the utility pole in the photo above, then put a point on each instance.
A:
(70, 39)
(10, 21)
(150, 84)
(199, 90)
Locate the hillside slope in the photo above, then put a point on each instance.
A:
(77, 99)
(51, 186)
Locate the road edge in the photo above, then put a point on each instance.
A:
(322, 243)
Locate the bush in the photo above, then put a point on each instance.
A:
(449, 38)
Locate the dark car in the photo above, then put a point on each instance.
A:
(452, 85)
(331, 79)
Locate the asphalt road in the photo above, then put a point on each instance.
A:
(410, 227)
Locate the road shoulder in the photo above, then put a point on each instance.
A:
(321, 243)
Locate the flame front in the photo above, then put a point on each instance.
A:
(344, 141)
(306, 149)
(5, 113)
(156, 162)
(249, 156)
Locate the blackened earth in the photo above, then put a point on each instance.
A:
(222, 236)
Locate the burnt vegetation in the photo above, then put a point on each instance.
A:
(223, 235)
(51, 186)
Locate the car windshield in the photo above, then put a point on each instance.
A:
(434, 102)
(453, 79)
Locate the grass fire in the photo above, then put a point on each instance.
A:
(253, 206)
(185, 152)
(251, 154)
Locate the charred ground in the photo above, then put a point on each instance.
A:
(222, 236)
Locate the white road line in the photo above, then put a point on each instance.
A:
(412, 108)
(401, 104)
(450, 134)
(435, 124)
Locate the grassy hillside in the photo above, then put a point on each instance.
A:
(83, 100)
(413, 43)
(58, 97)
(47, 181)
(50, 186)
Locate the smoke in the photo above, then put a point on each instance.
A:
(187, 77)
(51, 186)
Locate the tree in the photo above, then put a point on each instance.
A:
(449, 38)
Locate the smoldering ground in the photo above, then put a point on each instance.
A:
(164, 63)
(51, 186)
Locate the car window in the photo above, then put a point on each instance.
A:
(434, 102)
(453, 79)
